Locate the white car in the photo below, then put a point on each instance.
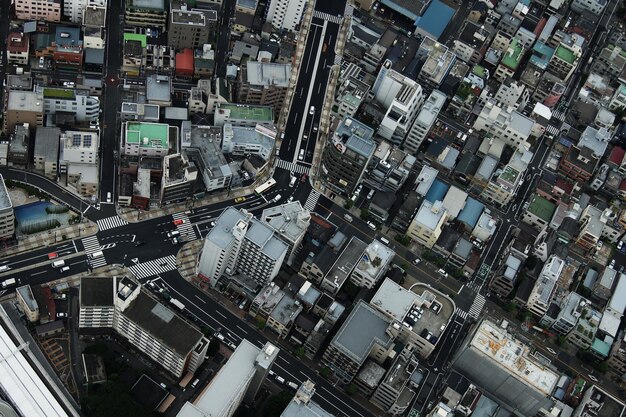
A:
(552, 351)
(416, 261)
(312, 110)
(301, 155)
(593, 378)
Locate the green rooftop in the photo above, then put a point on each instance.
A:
(513, 55)
(565, 54)
(541, 208)
(479, 70)
(148, 135)
(136, 37)
(248, 112)
(509, 174)
(64, 93)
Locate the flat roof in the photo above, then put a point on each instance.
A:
(146, 4)
(136, 37)
(345, 263)
(268, 73)
(618, 299)
(248, 112)
(188, 17)
(435, 19)
(148, 134)
(5, 199)
(429, 215)
(222, 235)
(291, 220)
(541, 207)
(565, 54)
(513, 55)
(227, 385)
(25, 101)
(514, 356)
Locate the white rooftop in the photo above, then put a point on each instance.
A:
(425, 179)
(394, 299)
(429, 214)
(454, 201)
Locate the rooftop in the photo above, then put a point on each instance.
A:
(148, 135)
(513, 55)
(565, 54)
(188, 17)
(222, 234)
(67, 39)
(435, 19)
(96, 291)
(25, 101)
(268, 74)
(346, 262)
(541, 207)
(286, 310)
(146, 4)
(514, 356)
(27, 295)
(158, 87)
(47, 142)
(263, 237)
(429, 215)
(143, 39)
(290, 219)
(247, 112)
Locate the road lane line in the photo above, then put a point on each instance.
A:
(39, 273)
(335, 397)
(243, 330)
(195, 295)
(288, 373)
(220, 313)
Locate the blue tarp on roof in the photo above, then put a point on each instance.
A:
(437, 191)
(471, 212)
(435, 19)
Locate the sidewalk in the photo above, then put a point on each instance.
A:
(52, 237)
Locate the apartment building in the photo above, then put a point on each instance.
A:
(243, 115)
(18, 47)
(25, 297)
(395, 392)
(439, 61)
(424, 121)
(264, 83)
(472, 43)
(145, 139)
(402, 98)
(428, 223)
(46, 152)
(539, 212)
(48, 10)
(74, 9)
(503, 281)
(372, 265)
(578, 164)
(290, 222)
(147, 13)
(510, 61)
(285, 14)
(504, 123)
(283, 315)
(594, 6)
(572, 307)
(617, 358)
(504, 183)
(343, 266)
(566, 56)
(154, 329)
(83, 106)
(545, 286)
(23, 107)
(352, 148)
(179, 179)
(590, 227)
(389, 168)
(188, 28)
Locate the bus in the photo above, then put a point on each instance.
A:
(265, 186)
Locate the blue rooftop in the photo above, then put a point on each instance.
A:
(437, 191)
(67, 39)
(435, 19)
(542, 54)
(471, 212)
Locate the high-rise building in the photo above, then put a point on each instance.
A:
(285, 14)
(424, 121)
(541, 294)
(152, 13)
(264, 83)
(347, 154)
(23, 107)
(238, 381)
(179, 178)
(302, 403)
(7, 217)
(74, 9)
(290, 223)
(187, 28)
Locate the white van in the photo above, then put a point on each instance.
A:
(385, 240)
(96, 254)
(195, 382)
(280, 379)
(301, 155)
(58, 264)
(173, 233)
(348, 218)
(371, 225)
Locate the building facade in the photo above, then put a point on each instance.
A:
(49, 10)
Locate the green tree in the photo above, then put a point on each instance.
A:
(207, 331)
(214, 347)
(510, 307)
(351, 389)
(365, 214)
(325, 372)
(299, 352)
(276, 404)
(260, 323)
(348, 204)
(560, 341)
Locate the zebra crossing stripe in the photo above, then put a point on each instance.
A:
(290, 166)
(186, 228)
(461, 313)
(338, 59)
(92, 245)
(110, 223)
(154, 267)
(328, 17)
(477, 306)
(552, 130)
(311, 201)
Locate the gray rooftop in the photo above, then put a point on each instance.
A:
(290, 219)
(355, 136)
(188, 17)
(47, 143)
(286, 310)
(268, 74)
(5, 200)
(263, 237)
(205, 141)
(345, 263)
(304, 409)
(27, 296)
(25, 101)
(147, 4)
(221, 235)
(96, 291)
(158, 87)
(363, 327)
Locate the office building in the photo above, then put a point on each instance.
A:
(372, 265)
(438, 63)
(179, 179)
(347, 154)
(424, 121)
(67, 48)
(84, 107)
(566, 56)
(48, 10)
(79, 146)
(145, 139)
(243, 141)
(7, 217)
(23, 107)
(395, 392)
(188, 28)
(472, 43)
(264, 83)
(202, 146)
(402, 99)
(504, 183)
(154, 329)
(239, 380)
(541, 295)
(363, 335)
(428, 223)
(17, 48)
(147, 13)
(27, 301)
(285, 14)
(74, 9)
(302, 404)
(389, 168)
(504, 123)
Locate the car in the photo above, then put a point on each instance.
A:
(42, 62)
(416, 261)
(53, 255)
(272, 373)
(68, 84)
(442, 272)
(290, 199)
(240, 199)
(315, 128)
(63, 315)
(620, 246)
(612, 264)
(301, 155)
(371, 225)
(64, 269)
(175, 241)
(212, 224)
(593, 378)
(552, 351)
(178, 222)
(312, 110)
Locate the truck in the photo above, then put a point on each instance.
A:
(8, 282)
(177, 304)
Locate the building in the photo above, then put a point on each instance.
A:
(539, 212)
(240, 244)
(179, 179)
(389, 168)
(347, 155)
(363, 335)
(434, 20)
(145, 139)
(243, 115)
(302, 405)
(578, 164)
(74, 9)
(590, 227)
(504, 183)
(264, 83)
(503, 281)
(67, 49)
(472, 43)
(372, 265)
(395, 392)
(27, 301)
(428, 223)
(502, 365)
(571, 310)
(159, 89)
(7, 217)
(439, 61)
(545, 286)
(594, 6)
(566, 56)
(424, 121)
(401, 97)
(94, 22)
(147, 13)
(17, 48)
(78, 147)
(237, 381)
(188, 28)
(23, 107)
(342, 267)
(84, 107)
(244, 141)
(510, 61)
(170, 341)
(285, 14)
(46, 152)
(504, 123)
(290, 223)
(49, 10)
(617, 359)
(201, 144)
(283, 316)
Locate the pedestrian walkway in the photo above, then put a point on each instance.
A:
(111, 223)
(92, 245)
(311, 202)
(290, 166)
(327, 17)
(461, 313)
(338, 59)
(477, 306)
(154, 267)
(558, 115)
(186, 230)
(348, 11)
(552, 130)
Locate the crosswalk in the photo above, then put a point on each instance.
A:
(348, 11)
(338, 59)
(461, 313)
(552, 130)
(154, 267)
(91, 245)
(327, 17)
(290, 166)
(477, 306)
(185, 229)
(311, 202)
(110, 223)
(558, 115)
